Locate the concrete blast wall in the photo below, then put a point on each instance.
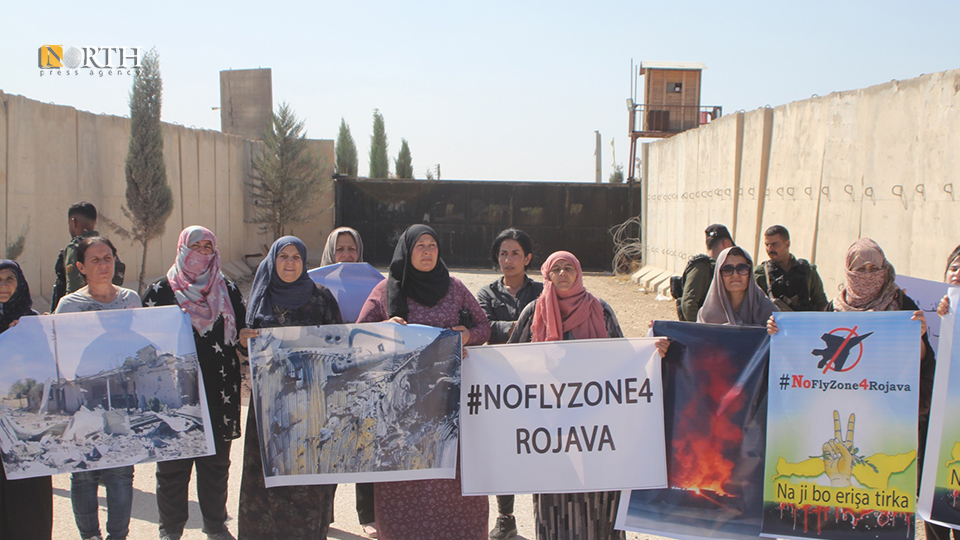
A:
(52, 156)
(879, 162)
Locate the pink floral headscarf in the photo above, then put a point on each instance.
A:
(199, 285)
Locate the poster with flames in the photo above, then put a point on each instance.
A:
(940, 487)
(841, 426)
(714, 400)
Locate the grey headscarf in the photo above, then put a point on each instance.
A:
(755, 309)
(330, 249)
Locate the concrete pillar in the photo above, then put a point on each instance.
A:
(246, 102)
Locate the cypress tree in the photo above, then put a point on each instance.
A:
(347, 161)
(149, 199)
(379, 162)
(404, 162)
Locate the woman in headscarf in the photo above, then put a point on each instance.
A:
(734, 297)
(870, 285)
(420, 290)
(566, 310)
(283, 294)
(26, 506)
(195, 283)
(343, 245)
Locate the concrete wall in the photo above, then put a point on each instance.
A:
(878, 162)
(52, 156)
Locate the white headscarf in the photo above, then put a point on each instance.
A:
(330, 248)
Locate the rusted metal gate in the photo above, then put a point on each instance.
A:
(468, 215)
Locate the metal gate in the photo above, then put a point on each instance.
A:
(468, 215)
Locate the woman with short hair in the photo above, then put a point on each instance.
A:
(96, 257)
(502, 301)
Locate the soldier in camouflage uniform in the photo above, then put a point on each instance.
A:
(793, 284)
(699, 273)
(81, 222)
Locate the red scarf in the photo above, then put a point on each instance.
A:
(574, 310)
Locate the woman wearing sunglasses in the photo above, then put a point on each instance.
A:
(734, 297)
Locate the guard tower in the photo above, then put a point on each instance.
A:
(670, 104)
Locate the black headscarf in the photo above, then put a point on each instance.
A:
(268, 290)
(404, 281)
(20, 302)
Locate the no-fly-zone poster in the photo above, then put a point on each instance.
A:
(841, 458)
(940, 488)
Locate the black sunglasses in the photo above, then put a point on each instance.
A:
(728, 269)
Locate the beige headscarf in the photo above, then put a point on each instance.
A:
(330, 248)
(755, 309)
(868, 291)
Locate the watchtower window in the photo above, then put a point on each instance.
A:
(675, 87)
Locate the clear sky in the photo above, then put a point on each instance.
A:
(489, 90)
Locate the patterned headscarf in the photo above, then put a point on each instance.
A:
(574, 310)
(20, 302)
(330, 248)
(404, 281)
(269, 290)
(868, 291)
(199, 285)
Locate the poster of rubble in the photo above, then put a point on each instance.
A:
(100, 389)
(562, 417)
(940, 486)
(714, 404)
(841, 426)
(356, 402)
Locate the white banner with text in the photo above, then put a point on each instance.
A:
(562, 417)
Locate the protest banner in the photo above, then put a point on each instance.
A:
(940, 486)
(350, 284)
(562, 417)
(101, 389)
(927, 294)
(842, 426)
(714, 399)
(356, 402)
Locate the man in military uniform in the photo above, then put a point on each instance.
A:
(793, 284)
(699, 272)
(81, 222)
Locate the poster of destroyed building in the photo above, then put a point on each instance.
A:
(100, 389)
(356, 402)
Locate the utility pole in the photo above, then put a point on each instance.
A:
(596, 152)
